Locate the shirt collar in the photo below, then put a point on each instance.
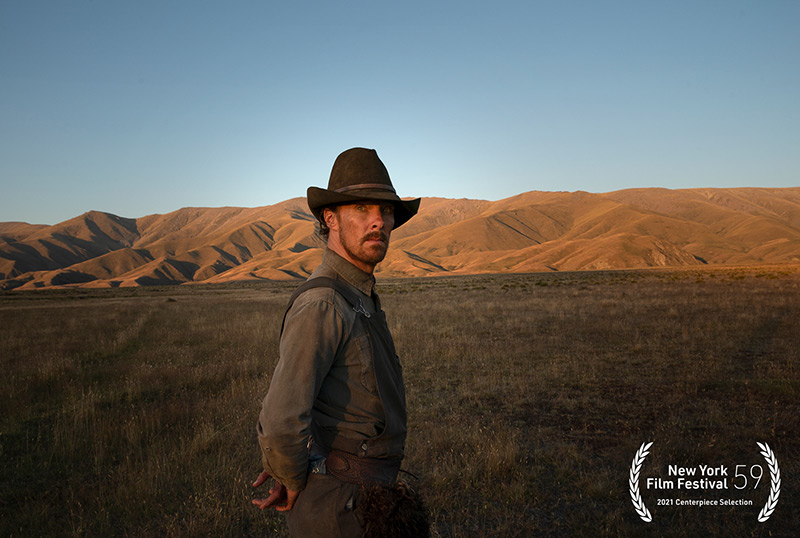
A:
(364, 282)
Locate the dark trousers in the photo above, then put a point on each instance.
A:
(325, 509)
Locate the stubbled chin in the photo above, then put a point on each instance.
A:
(376, 251)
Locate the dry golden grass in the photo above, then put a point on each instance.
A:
(534, 393)
(132, 412)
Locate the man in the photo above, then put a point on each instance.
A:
(333, 423)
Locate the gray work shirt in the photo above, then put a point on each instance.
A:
(326, 374)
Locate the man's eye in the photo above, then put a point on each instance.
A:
(388, 209)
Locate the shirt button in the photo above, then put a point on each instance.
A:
(363, 447)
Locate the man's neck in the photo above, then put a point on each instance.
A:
(364, 282)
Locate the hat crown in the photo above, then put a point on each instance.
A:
(359, 168)
(359, 175)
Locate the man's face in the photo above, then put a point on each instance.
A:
(362, 230)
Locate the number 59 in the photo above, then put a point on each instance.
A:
(756, 477)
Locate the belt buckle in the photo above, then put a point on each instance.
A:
(316, 465)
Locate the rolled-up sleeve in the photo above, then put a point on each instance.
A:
(312, 334)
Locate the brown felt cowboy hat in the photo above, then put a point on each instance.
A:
(359, 175)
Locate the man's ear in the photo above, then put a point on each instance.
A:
(329, 216)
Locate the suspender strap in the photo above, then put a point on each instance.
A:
(326, 282)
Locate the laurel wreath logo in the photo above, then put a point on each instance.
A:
(775, 482)
(764, 515)
(633, 482)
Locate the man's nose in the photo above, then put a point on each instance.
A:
(377, 218)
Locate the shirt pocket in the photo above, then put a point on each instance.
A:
(360, 360)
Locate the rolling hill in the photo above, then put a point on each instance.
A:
(533, 231)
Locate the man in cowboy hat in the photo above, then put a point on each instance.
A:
(333, 423)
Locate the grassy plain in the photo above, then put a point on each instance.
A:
(131, 412)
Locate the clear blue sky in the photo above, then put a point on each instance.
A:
(145, 107)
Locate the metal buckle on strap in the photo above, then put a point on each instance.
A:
(360, 308)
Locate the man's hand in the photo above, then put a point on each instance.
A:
(280, 498)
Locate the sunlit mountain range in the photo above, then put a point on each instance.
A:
(531, 232)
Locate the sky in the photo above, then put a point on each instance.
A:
(136, 108)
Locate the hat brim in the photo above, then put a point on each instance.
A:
(318, 199)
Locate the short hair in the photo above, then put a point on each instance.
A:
(324, 231)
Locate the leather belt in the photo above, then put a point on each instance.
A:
(366, 471)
